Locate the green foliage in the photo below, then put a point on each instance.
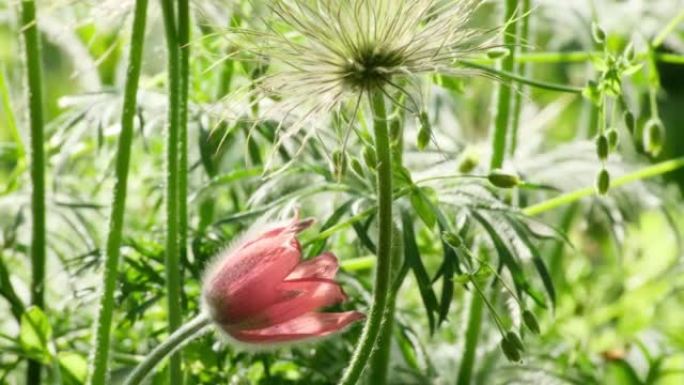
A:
(580, 287)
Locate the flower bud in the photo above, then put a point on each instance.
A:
(452, 239)
(498, 53)
(602, 147)
(515, 340)
(468, 161)
(654, 133)
(603, 182)
(356, 166)
(502, 179)
(369, 157)
(598, 33)
(630, 122)
(531, 322)
(613, 139)
(510, 351)
(424, 130)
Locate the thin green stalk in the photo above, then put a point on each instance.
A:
(669, 27)
(521, 69)
(472, 335)
(35, 102)
(100, 353)
(503, 107)
(186, 333)
(507, 75)
(172, 259)
(184, 50)
(573, 196)
(381, 287)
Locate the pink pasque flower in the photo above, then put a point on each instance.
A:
(260, 292)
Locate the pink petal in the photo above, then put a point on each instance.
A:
(244, 281)
(307, 326)
(296, 298)
(323, 266)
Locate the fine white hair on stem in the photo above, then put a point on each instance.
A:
(323, 55)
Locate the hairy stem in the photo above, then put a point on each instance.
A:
(472, 335)
(503, 108)
(383, 268)
(184, 50)
(172, 263)
(186, 333)
(573, 196)
(100, 353)
(521, 69)
(35, 103)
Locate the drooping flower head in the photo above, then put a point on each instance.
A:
(260, 292)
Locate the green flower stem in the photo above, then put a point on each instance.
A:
(506, 75)
(35, 102)
(503, 107)
(172, 263)
(669, 27)
(573, 57)
(186, 333)
(100, 353)
(573, 196)
(381, 288)
(184, 50)
(521, 68)
(471, 338)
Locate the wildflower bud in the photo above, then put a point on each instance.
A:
(452, 239)
(356, 166)
(424, 130)
(502, 179)
(654, 133)
(613, 139)
(515, 340)
(510, 351)
(598, 33)
(498, 53)
(260, 292)
(629, 53)
(369, 157)
(630, 122)
(603, 182)
(469, 160)
(602, 147)
(339, 163)
(531, 322)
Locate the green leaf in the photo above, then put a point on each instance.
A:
(318, 246)
(507, 259)
(423, 206)
(620, 372)
(539, 264)
(74, 366)
(412, 257)
(35, 334)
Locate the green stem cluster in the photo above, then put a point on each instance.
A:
(381, 289)
(35, 102)
(100, 353)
